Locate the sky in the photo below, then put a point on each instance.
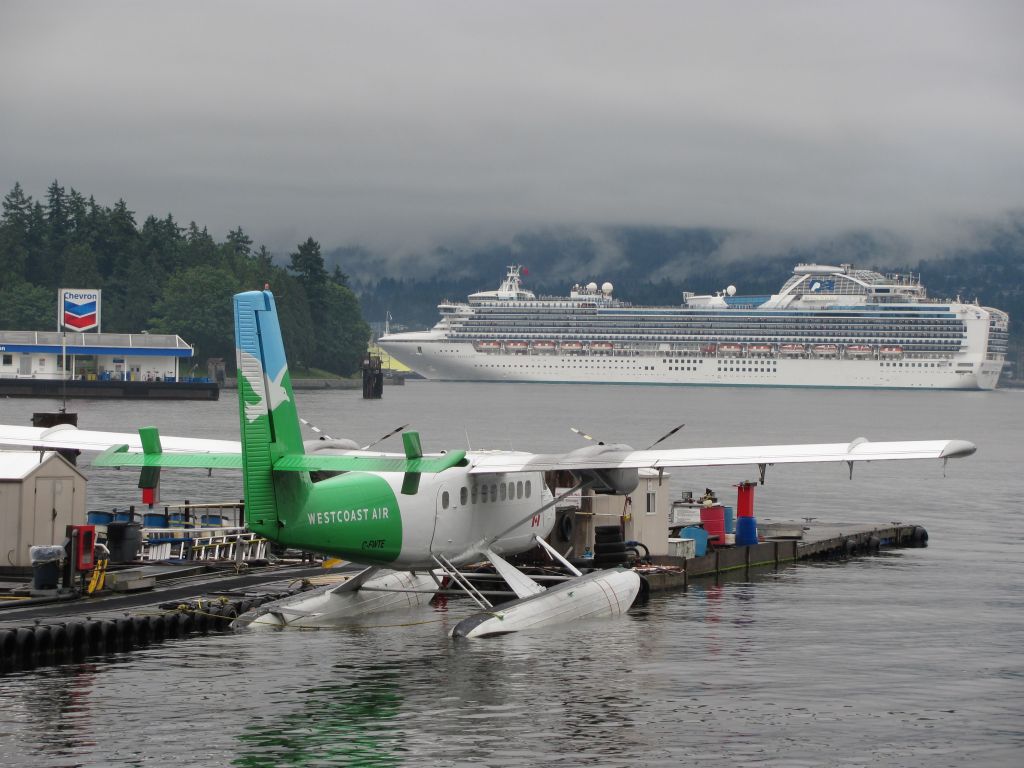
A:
(401, 124)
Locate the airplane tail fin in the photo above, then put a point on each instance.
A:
(269, 422)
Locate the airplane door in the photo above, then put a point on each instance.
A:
(452, 524)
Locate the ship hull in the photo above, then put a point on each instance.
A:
(444, 360)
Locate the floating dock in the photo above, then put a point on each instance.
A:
(110, 389)
(196, 599)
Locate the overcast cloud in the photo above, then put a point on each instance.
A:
(396, 124)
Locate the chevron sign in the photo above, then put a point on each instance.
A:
(79, 309)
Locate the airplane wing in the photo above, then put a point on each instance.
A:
(623, 457)
(123, 449)
(70, 436)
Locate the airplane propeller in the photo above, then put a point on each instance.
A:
(315, 428)
(394, 431)
(665, 436)
(585, 436)
(661, 439)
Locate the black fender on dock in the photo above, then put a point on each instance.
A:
(109, 636)
(77, 640)
(919, 537)
(59, 638)
(125, 633)
(24, 647)
(44, 644)
(201, 621)
(7, 638)
(158, 628)
(142, 633)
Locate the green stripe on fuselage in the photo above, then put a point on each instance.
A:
(354, 516)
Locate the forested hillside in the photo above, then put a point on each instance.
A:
(166, 278)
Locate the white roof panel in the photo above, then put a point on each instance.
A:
(16, 465)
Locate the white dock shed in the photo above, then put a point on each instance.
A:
(40, 493)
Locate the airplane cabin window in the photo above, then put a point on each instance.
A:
(444, 500)
(519, 489)
(483, 494)
(475, 493)
(502, 486)
(494, 492)
(527, 489)
(463, 495)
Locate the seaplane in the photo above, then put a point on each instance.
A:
(410, 520)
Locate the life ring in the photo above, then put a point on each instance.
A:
(565, 526)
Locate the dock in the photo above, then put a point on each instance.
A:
(197, 599)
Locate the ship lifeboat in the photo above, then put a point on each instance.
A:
(859, 351)
(759, 349)
(572, 346)
(601, 346)
(890, 351)
(730, 349)
(825, 350)
(791, 350)
(487, 346)
(543, 346)
(516, 346)
(709, 349)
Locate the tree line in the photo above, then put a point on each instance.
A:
(162, 277)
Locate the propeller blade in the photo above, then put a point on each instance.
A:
(581, 433)
(665, 436)
(315, 428)
(394, 431)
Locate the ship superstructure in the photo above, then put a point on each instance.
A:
(827, 326)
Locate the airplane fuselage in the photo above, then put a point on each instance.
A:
(365, 518)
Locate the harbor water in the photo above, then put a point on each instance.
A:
(908, 658)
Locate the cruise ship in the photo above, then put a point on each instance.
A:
(826, 327)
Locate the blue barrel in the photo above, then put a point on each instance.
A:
(700, 539)
(179, 519)
(99, 518)
(730, 521)
(212, 520)
(123, 515)
(746, 531)
(154, 520)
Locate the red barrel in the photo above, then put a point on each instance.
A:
(713, 520)
(745, 499)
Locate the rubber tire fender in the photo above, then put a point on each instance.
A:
(59, 637)
(7, 638)
(44, 645)
(77, 640)
(141, 630)
(125, 632)
(24, 647)
(201, 621)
